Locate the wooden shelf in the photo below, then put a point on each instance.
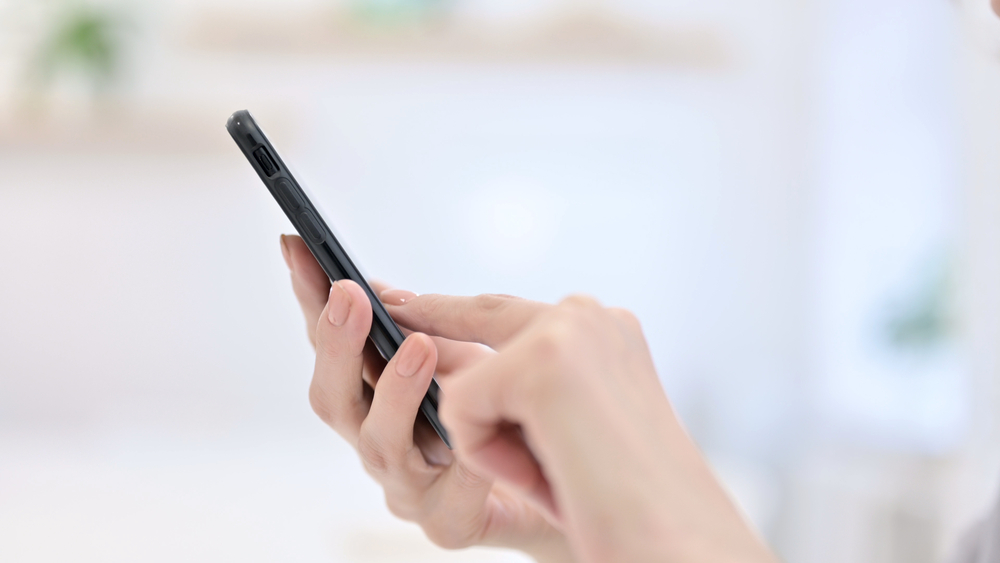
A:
(130, 130)
(579, 37)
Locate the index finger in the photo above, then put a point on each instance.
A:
(488, 319)
(309, 281)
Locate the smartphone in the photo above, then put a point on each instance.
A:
(311, 225)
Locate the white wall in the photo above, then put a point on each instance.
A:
(154, 362)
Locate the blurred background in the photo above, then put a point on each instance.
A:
(798, 198)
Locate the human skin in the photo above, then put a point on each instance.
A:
(374, 406)
(571, 413)
(566, 446)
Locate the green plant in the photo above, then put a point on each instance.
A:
(925, 320)
(394, 12)
(83, 39)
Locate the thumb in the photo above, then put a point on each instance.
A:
(491, 437)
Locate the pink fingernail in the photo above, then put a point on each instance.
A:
(396, 296)
(411, 356)
(339, 306)
(285, 253)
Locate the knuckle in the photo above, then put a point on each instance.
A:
(580, 301)
(485, 307)
(336, 348)
(320, 403)
(582, 314)
(627, 317)
(553, 350)
(488, 302)
(467, 479)
(311, 331)
(481, 310)
(445, 535)
(400, 508)
(373, 456)
(556, 340)
(423, 305)
(326, 346)
(549, 344)
(428, 309)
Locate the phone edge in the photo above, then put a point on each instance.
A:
(239, 125)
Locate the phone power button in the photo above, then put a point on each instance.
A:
(311, 227)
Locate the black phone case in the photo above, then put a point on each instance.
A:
(324, 246)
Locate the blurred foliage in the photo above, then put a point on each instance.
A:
(396, 12)
(924, 322)
(82, 39)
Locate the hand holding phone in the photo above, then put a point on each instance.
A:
(329, 254)
(423, 481)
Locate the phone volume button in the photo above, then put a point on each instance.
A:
(286, 191)
(311, 227)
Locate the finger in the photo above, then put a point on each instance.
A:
(506, 456)
(387, 433)
(309, 281)
(512, 520)
(434, 450)
(488, 319)
(627, 320)
(478, 410)
(452, 354)
(461, 490)
(338, 394)
(379, 286)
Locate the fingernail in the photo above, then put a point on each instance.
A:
(339, 306)
(412, 355)
(285, 253)
(396, 296)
